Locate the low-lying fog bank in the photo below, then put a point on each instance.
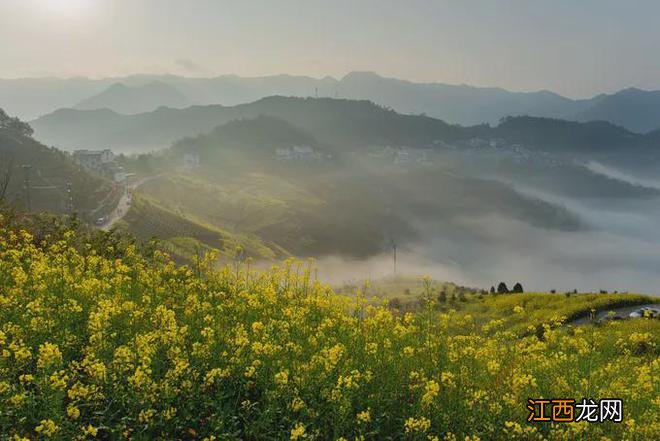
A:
(620, 249)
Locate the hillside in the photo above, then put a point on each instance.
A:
(124, 99)
(568, 136)
(50, 172)
(322, 200)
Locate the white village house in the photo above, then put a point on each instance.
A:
(101, 162)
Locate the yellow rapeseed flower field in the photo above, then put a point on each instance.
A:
(141, 348)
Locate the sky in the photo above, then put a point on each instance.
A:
(578, 48)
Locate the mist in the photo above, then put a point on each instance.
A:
(618, 250)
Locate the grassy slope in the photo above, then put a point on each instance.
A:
(188, 235)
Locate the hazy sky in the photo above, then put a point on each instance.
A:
(575, 47)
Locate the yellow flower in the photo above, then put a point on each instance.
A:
(417, 425)
(282, 378)
(364, 416)
(21, 352)
(169, 413)
(26, 378)
(146, 415)
(95, 369)
(90, 430)
(297, 404)
(493, 367)
(297, 432)
(59, 380)
(18, 400)
(257, 327)
(215, 373)
(47, 428)
(250, 371)
(447, 379)
(73, 412)
(431, 391)
(49, 355)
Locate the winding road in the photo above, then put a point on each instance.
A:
(124, 203)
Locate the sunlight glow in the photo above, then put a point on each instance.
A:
(69, 9)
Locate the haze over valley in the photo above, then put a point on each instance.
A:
(541, 200)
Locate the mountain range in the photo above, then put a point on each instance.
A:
(635, 109)
(344, 124)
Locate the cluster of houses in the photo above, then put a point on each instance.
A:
(100, 162)
(502, 149)
(191, 161)
(299, 153)
(401, 154)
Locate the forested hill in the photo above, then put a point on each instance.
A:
(47, 170)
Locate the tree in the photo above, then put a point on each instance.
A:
(7, 164)
(517, 288)
(502, 288)
(14, 125)
(492, 290)
(442, 297)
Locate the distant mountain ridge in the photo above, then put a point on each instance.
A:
(637, 110)
(634, 109)
(129, 100)
(457, 104)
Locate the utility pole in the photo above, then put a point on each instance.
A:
(69, 198)
(26, 181)
(394, 255)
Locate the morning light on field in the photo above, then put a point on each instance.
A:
(313, 220)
